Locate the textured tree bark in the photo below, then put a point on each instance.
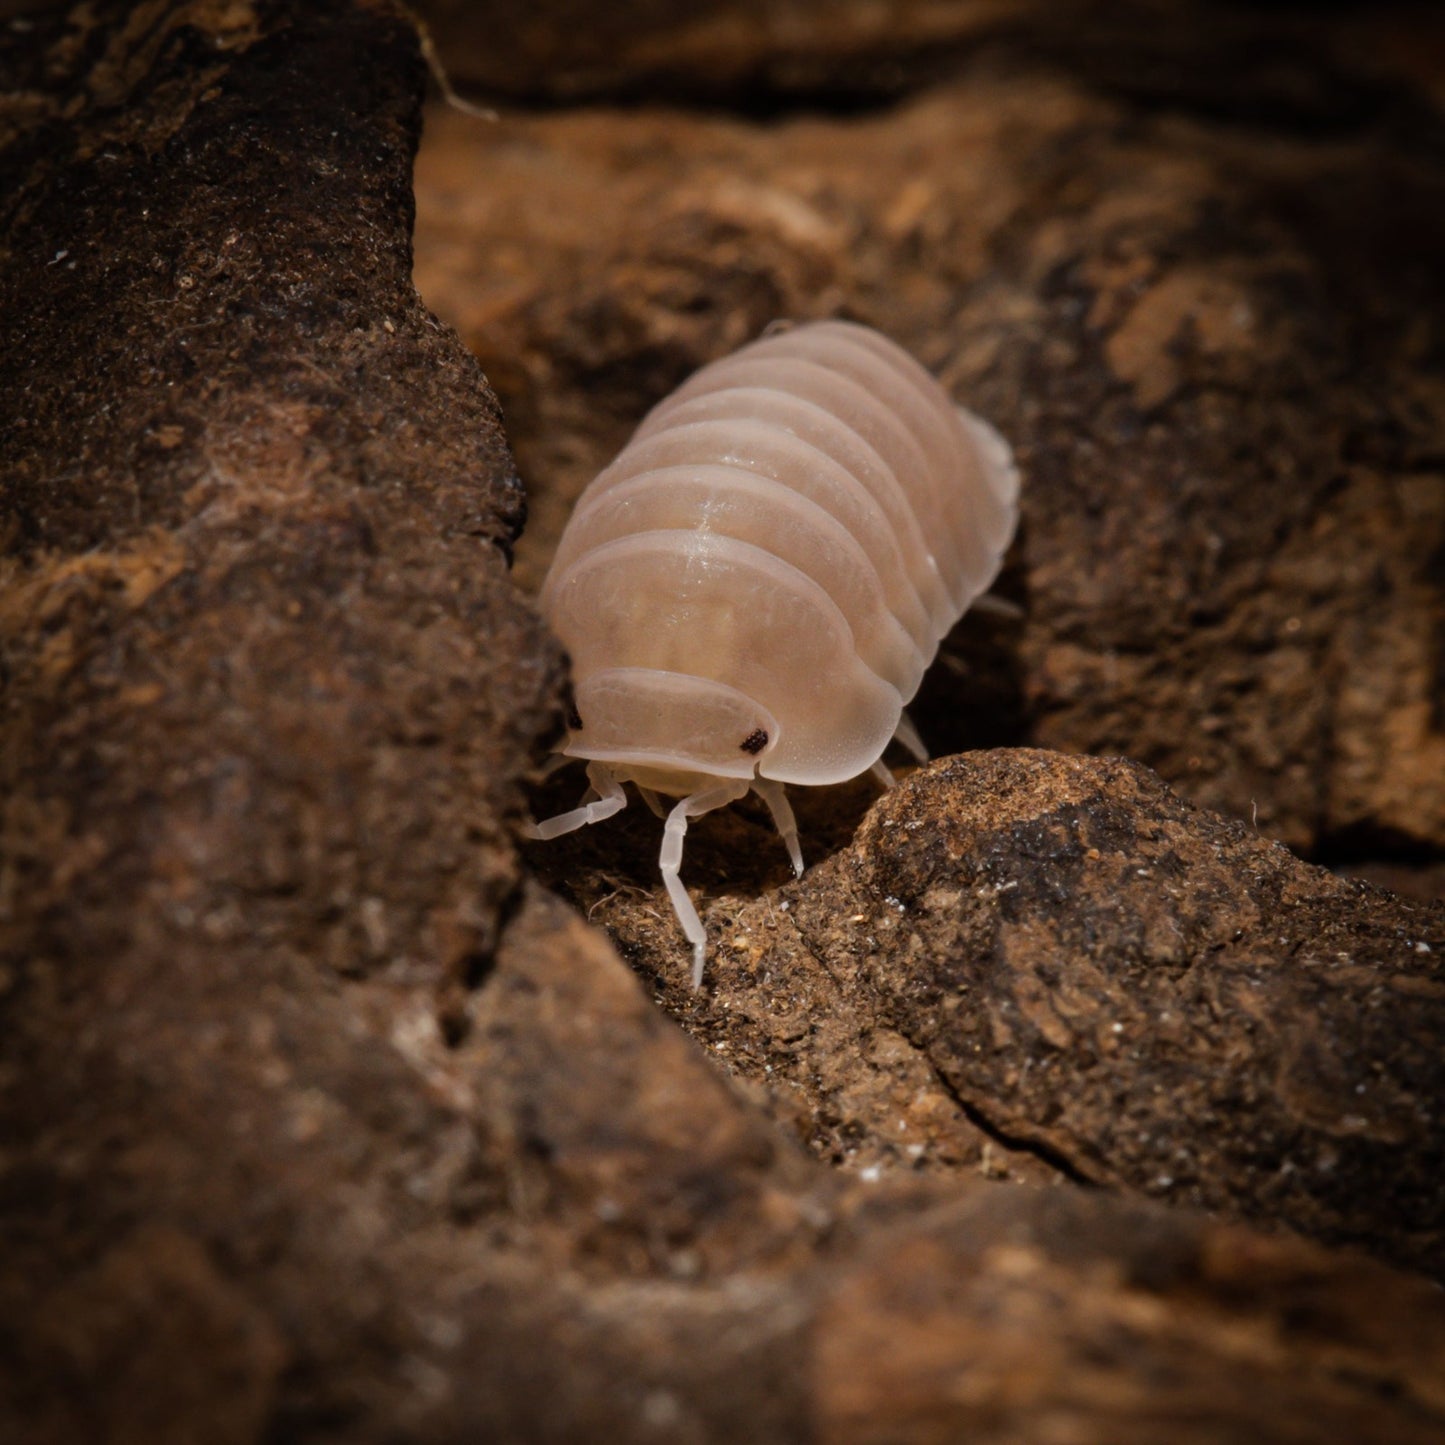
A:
(321, 1118)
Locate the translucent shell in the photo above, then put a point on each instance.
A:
(802, 521)
(751, 593)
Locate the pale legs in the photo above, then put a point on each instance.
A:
(906, 735)
(776, 797)
(611, 798)
(670, 861)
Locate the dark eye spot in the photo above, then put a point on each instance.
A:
(574, 718)
(755, 741)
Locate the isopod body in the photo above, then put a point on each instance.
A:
(751, 592)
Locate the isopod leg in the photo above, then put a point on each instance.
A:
(992, 605)
(670, 862)
(884, 774)
(611, 798)
(775, 796)
(653, 801)
(907, 734)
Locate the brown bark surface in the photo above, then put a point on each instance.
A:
(324, 1117)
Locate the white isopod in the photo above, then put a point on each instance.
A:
(752, 591)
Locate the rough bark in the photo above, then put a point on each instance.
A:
(321, 1119)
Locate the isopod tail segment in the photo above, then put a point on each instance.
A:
(606, 796)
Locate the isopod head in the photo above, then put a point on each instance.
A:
(668, 731)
